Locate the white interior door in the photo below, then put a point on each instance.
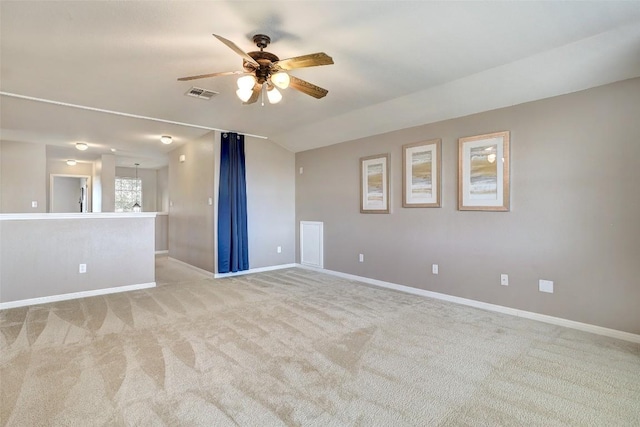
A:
(311, 244)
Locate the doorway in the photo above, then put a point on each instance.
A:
(69, 193)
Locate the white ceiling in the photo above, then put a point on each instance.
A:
(397, 64)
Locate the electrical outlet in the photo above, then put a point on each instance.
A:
(34, 204)
(504, 279)
(434, 268)
(82, 268)
(545, 286)
(279, 249)
(361, 258)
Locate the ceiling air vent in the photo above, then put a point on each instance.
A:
(198, 92)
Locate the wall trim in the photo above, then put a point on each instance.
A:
(88, 215)
(585, 327)
(166, 251)
(75, 295)
(254, 270)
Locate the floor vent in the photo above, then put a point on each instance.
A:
(198, 92)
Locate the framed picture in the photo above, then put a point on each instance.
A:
(374, 184)
(483, 172)
(421, 163)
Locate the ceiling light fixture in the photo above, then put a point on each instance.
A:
(281, 80)
(262, 70)
(274, 95)
(166, 139)
(71, 162)
(245, 87)
(81, 146)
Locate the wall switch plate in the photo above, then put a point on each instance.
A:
(82, 268)
(504, 279)
(434, 268)
(34, 204)
(301, 170)
(279, 249)
(210, 201)
(545, 286)
(361, 258)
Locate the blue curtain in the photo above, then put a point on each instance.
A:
(233, 248)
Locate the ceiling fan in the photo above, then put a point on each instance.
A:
(263, 71)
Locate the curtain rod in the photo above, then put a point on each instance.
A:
(118, 113)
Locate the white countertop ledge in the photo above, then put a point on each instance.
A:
(93, 215)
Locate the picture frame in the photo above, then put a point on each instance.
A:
(421, 174)
(374, 184)
(483, 172)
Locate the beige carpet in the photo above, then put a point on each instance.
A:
(295, 347)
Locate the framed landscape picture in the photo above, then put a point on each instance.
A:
(374, 184)
(483, 172)
(421, 164)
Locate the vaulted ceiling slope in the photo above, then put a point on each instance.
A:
(397, 64)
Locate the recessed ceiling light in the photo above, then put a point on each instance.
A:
(71, 162)
(113, 150)
(166, 139)
(81, 146)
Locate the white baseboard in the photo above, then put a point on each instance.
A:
(237, 273)
(254, 270)
(74, 295)
(599, 330)
(162, 252)
(193, 267)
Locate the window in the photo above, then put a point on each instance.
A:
(128, 192)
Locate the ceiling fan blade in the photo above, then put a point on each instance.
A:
(237, 50)
(308, 88)
(311, 60)
(255, 95)
(204, 76)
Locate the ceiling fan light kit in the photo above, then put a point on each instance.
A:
(274, 95)
(263, 71)
(281, 80)
(244, 94)
(246, 82)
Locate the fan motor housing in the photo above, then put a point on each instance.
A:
(265, 59)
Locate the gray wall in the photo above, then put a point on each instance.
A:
(191, 218)
(117, 251)
(270, 202)
(108, 182)
(23, 177)
(574, 219)
(162, 232)
(162, 188)
(96, 187)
